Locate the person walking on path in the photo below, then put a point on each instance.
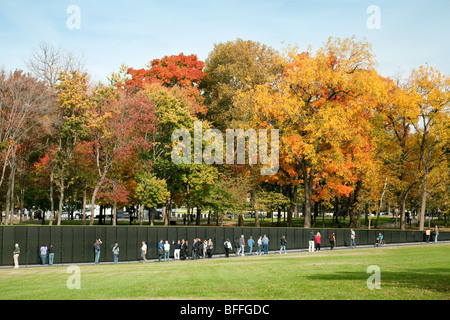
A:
(352, 238)
(317, 239)
(332, 240)
(236, 247)
(144, 252)
(265, 242)
(166, 251)
(259, 245)
(43, 253)
(241, 245)
(97, 247)
(283, 242)
(16, 254)
(227, 246)
(250, 243)
(116, 251)
(311, 241)
(51, 254)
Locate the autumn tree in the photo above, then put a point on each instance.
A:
(26, 110)
(121, 129)
(75, 104)
(431, 126)
(182, 71)
(321, 105)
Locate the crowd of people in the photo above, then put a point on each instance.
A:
(203, 249)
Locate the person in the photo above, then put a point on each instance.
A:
(16, 254)
(43, 253)
(265, 242)
(436, 233)
(379, 239)
(166, 251)
(236, 247)
(259, 245)
(176, 252)
(227, 246)
(241, 245)
(428, 234)
(332, 240)
(317, 240)
(283, 242)
(97, 247)
(204, 248)
(311, 241)
(352, 238)
(197, 248)
(116, 251)
(184, 249)
(209, 248)
(160, 250)
(51, 254)
(250, 243)
(144, 252)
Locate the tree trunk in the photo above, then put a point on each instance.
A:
(52, 202)
(308, 180)
(254, 202)
(423, 203)
(141, 214)
(61, 199)
(84, 206)
(114, 216)
(198, 216)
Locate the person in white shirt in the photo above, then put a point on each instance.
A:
(166, 251)
(259, 245)
(144, 251)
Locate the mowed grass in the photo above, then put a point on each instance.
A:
(417, 272)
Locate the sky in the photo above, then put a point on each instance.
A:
(403, 34)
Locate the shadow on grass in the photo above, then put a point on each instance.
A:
(433, 279)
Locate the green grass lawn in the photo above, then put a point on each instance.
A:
(417, 272)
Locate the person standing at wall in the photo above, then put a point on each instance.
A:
(97, 247)
(43, 253)
(283, 243)
(317, 239)
(352, 238)
(436, 233)
(176, 253)
(16, 254)
(265, 242)
(428, 234)
(184, 249)
(259, 245)
(51, 254)
(311, 241)
(166, 251)
(160, 250)
(144, 252)
(116, 251)
(209, 248)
